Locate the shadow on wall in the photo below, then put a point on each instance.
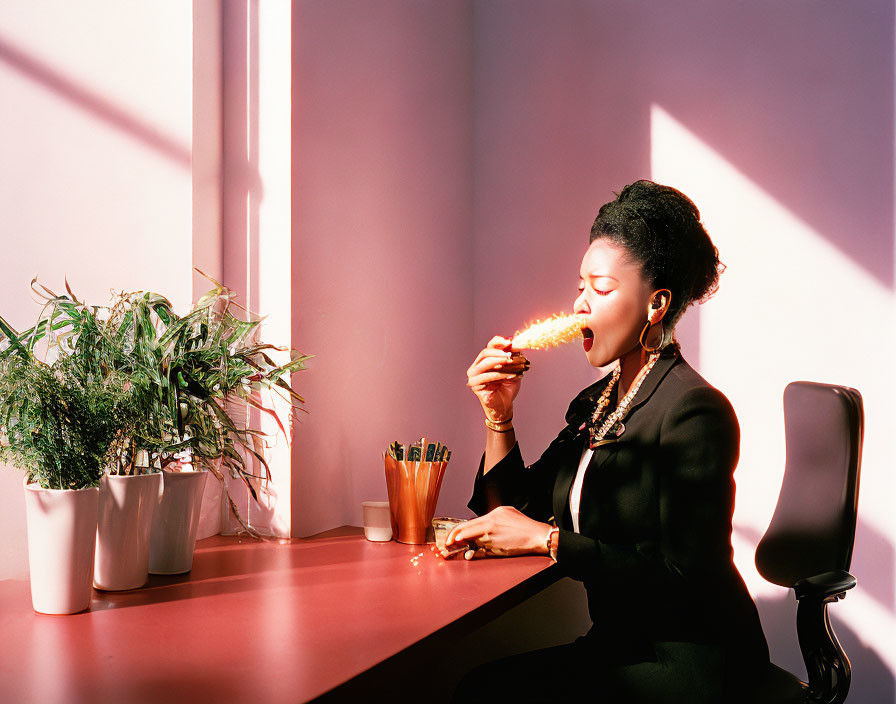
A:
(126, 122)
(872, 680)
(798, 96)
(874, 564)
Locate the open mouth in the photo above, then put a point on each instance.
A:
(588, 338)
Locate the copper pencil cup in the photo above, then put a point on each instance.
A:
(413, 492)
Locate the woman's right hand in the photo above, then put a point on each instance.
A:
(495, 378)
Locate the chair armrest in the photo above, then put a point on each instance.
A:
(824, 585)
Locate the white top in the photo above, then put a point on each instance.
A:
(575, 494)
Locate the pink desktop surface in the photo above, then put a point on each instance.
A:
(252, 622)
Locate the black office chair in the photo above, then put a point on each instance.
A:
(808, 545)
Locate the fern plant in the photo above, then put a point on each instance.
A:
(62, 428)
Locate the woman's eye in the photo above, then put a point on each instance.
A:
(581, 289)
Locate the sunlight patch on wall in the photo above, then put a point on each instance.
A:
(271, 290)
(790, 307)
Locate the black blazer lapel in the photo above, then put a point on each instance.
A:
(668, 359)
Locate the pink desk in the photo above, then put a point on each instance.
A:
(255, 622)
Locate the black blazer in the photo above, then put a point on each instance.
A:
(654, 550)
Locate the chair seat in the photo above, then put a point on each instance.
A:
(781, 687)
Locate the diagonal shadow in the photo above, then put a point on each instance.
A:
(873, 561)
(95, 104)
(801, 101)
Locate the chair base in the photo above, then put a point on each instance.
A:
(781, 687)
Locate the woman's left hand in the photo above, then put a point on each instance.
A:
(505, 531)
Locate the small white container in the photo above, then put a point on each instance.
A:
(377, 521)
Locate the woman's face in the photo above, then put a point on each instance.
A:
(615, 296)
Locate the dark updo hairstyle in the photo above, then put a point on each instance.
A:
(660, 228)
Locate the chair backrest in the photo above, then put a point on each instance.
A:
(813, 528)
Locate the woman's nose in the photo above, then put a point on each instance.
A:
(580, 305)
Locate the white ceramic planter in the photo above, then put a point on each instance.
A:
(61, 542)
(213, 502)
(127, 504)
(176, 521)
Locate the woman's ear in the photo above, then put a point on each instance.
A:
(659, 304)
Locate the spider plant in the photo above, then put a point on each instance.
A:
(186, 372)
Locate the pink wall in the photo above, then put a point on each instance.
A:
(548, 152)
(382, 246)
(95, 137)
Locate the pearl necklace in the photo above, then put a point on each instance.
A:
(612, 421)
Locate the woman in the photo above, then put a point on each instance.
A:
(635, 495)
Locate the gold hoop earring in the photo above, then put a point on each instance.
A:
(655, 348)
